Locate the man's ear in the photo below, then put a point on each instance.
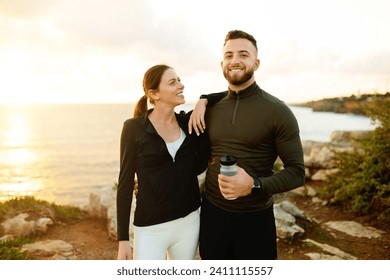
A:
(257, 64)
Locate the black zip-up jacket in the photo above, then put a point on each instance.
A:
(168, 188)
(256, 128)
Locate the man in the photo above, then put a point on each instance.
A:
(256, 128)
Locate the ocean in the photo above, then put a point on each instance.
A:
(62, 153)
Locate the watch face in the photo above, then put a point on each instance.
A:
(256, 183)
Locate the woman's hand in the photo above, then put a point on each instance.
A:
(197, 117)
(124, 250)
(135, 187)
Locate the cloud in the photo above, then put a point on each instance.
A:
(75, 28)
(26, 9)
(374, 62)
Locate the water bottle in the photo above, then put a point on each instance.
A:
(228, 167)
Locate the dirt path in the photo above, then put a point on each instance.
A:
(88, 236)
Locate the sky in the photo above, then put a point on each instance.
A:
(96, 51)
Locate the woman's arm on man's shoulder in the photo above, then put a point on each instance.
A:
(197, 121)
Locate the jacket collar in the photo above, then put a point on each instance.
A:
(147, 124)
(249, 91)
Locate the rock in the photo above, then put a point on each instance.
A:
(307, 146)
(324, 157)
(322, 174)
(51, 249)
(318, 156)
(42, 223)
(332, 250)
(307, 173)
(18, 225)
(317, 200)
(292, 209)
(354, 229)
(301, 191)
(347, 137)
(283, 216)
(313, 156)
(95, 208)
(104, 206)
(6, 238)
(286, 226)
(320, 256)
(311, 191)
(111, 216)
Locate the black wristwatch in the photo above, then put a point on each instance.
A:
(256, 183)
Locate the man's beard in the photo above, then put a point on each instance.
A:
(238, 79)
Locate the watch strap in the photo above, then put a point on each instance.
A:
(256, 183)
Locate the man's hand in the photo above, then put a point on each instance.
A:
(235, 186)
(197, 117)
(124, 250)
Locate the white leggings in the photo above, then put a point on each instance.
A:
(173, 240)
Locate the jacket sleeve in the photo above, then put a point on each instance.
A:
(128, 163)
(202, 151)
(214, 98)
(201, 144)
(289, 148)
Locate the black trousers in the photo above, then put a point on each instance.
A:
(236, 236)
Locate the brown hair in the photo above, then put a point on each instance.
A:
(238, 34)
(152, 79)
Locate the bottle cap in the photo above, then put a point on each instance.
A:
(227, 160)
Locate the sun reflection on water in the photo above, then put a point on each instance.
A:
(17, 157)
(18, 132)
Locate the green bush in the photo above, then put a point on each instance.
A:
(30, 204)
(362, 181)
(10, 249)
(65, 213)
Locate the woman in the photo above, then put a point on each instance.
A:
(156, 146)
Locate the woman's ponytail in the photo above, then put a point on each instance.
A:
(141, 106)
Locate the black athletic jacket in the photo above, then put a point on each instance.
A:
(168, 188)
(256, 128)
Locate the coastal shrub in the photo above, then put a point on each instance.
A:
(30, 204)
(10, 249)
(66, 213)
(362, 181)
(21, 204)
